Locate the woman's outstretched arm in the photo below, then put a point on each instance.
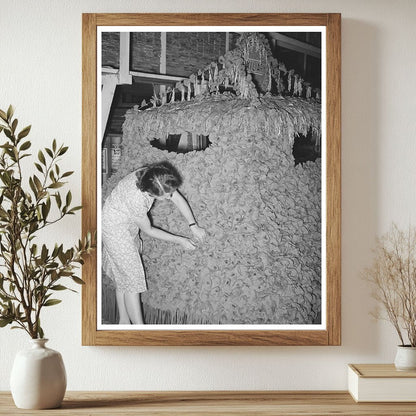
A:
(184, 208)
(146, 227)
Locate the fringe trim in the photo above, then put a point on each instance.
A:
(156, 316)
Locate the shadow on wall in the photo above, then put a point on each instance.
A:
(361, 97)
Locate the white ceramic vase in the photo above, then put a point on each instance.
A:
(38, 377)
(405, 358)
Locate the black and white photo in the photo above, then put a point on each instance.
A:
(243, 127)
(217, 182)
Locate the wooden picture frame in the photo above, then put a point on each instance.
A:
(331, 334)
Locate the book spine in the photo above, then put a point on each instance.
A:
(353, 384)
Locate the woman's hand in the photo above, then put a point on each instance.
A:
(198, 232)
(186, 243)
(185, 210)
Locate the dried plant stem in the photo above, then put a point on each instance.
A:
(393, 275)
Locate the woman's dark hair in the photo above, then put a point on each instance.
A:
(158, 179)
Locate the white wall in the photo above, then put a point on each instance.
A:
(40, 74)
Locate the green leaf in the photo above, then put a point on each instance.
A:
(14, 125)
(37, 182)
(67, 174)
(43, 194)
(66, 273)
(49, 152)
(45, 210)
(40, 331)
(51, 302)
(5, 321)
(10, 112)
(68, 199)
(52, 176)
(33, 187)
(39, 167)
(77, 208)
(44, 253)
(25, 145)
(6, 145)
(78, 280)
(59, 287)
(60, 249)
(55, 251)
(58, 199)
(62, 257)
(3, 115)
(41, 157)
(63, 150)
(34, 226)
(54, 145)
(8, 133)
(34, 249)
(24, 132)
(56, 185)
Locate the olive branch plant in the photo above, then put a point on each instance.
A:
(30, 273)
(393, 277)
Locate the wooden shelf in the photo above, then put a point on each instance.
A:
(318, 403)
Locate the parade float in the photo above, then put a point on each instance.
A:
(261, 261)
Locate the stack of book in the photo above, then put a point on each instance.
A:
(381, 383)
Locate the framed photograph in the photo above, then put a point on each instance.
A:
(211, 172)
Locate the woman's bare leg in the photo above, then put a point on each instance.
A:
(134, 307)
(122, 310)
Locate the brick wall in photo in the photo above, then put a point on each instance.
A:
(190, 51)
(110, 46)
(186, 51)
(145, 52)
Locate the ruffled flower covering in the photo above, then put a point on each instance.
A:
(261, 261)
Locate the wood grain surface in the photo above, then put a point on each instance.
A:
(381, 371)
(212, 403)
(332, 334)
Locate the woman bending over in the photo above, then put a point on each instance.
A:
(124, 215)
